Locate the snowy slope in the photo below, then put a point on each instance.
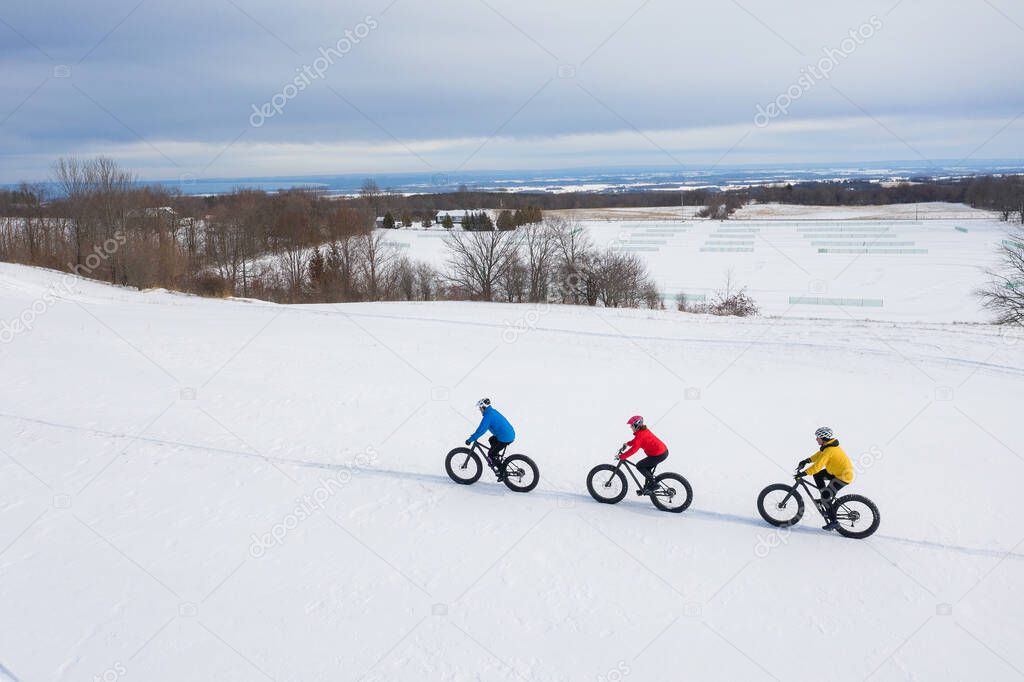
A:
(230, 490)
(802, 266)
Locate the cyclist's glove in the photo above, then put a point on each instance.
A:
(803, 463)
(468, 443)
(799, 474)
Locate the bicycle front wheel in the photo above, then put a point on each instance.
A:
(520, 473)
(606, 484)
(858, 516)
(463, 466)
(672, 493)
(780, 505)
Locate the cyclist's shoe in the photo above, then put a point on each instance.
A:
(649, 487)
(831, 525)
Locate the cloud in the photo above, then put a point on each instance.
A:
(555, 84)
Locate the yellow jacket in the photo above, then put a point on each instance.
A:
(832, 459)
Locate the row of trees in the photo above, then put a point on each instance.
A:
(472, 221)
(477, 222)
(510, 220)
(722, 205)
(100, 220)
(297, 246)
(551, 261)
(999, 193)
(1004, 194)
(554, 261)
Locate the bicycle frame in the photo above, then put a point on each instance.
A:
(482, 450)
(631, 470)
(810, 490)
(638, 478)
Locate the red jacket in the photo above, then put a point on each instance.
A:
(646, 441)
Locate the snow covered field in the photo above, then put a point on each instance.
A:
(231, 490)
(823, 262)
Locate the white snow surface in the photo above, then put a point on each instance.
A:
(150, 440)
(933, 278)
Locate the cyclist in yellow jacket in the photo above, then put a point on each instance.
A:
(832, 471)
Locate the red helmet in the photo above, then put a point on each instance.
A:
(636, 421)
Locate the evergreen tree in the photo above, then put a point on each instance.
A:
(389, 221)
(477, 222)
(317, 271)
(506, 221)
(527, 216)
(447, 222)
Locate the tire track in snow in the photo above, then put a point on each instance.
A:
(496, 488)
(976, 364)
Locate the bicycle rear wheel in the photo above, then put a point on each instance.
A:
(858, 516)
(606, 484)
(520, 473)
(463, 466)
(672, 494)
(780, 505)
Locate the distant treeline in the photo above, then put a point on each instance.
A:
(1004, 194)
(104, 225)
(998, 193)
(298, 246)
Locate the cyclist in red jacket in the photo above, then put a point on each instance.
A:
(652, 446)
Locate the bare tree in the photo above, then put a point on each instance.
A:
(376, 256)
(478, 260)
(225, 246)
(512, 284)
(575, 252)
(538, 248)
(110, 189)
(371, 195)
(71, 179)
(35, 219)
(426, 281)
(622, 280)
(341, 268)
(405, 279)
(1004, 295)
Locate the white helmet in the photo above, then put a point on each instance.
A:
(824, 432)
(483, 402)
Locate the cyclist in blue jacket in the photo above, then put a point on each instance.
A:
(502, 433)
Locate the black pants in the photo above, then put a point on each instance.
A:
(496, 447)
(647, 465)
(829, 486)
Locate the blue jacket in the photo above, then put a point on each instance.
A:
(496, 423)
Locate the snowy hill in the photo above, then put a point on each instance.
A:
(810, 262)
(232, 490)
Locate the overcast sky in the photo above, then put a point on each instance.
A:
(184, 88)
